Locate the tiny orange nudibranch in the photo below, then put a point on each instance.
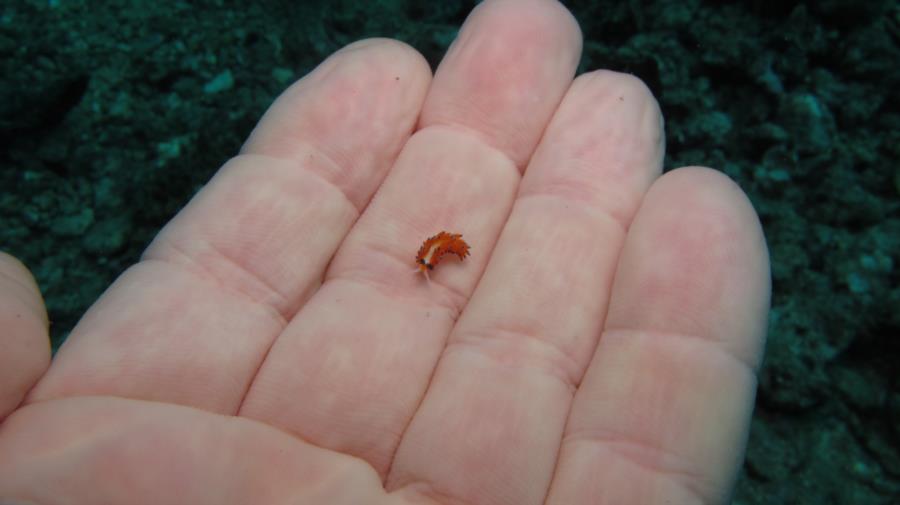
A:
(435, 247)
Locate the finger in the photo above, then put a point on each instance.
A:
(490, 425)
(131, 452)
(23, 333)
(663, 412)
(357, 360)
(193, 320)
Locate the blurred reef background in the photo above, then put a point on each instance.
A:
(113, 114)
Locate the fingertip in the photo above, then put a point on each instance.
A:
(24, 335)
(16, 278)
(504, 75)
(347, 119)
(721, 199)
(696, 262)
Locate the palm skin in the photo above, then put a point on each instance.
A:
(598, 346)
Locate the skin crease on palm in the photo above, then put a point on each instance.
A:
(599, 346)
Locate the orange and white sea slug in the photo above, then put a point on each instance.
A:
(436, 247)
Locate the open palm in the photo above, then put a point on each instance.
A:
(274, 344)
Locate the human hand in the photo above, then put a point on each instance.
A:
(273, 345)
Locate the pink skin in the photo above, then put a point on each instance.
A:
(271, 348)
(424, 271)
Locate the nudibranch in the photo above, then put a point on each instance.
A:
(434, 248)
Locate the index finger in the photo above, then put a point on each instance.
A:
(357, 360)
(192, 321)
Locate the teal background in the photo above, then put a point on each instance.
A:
(112, 114)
